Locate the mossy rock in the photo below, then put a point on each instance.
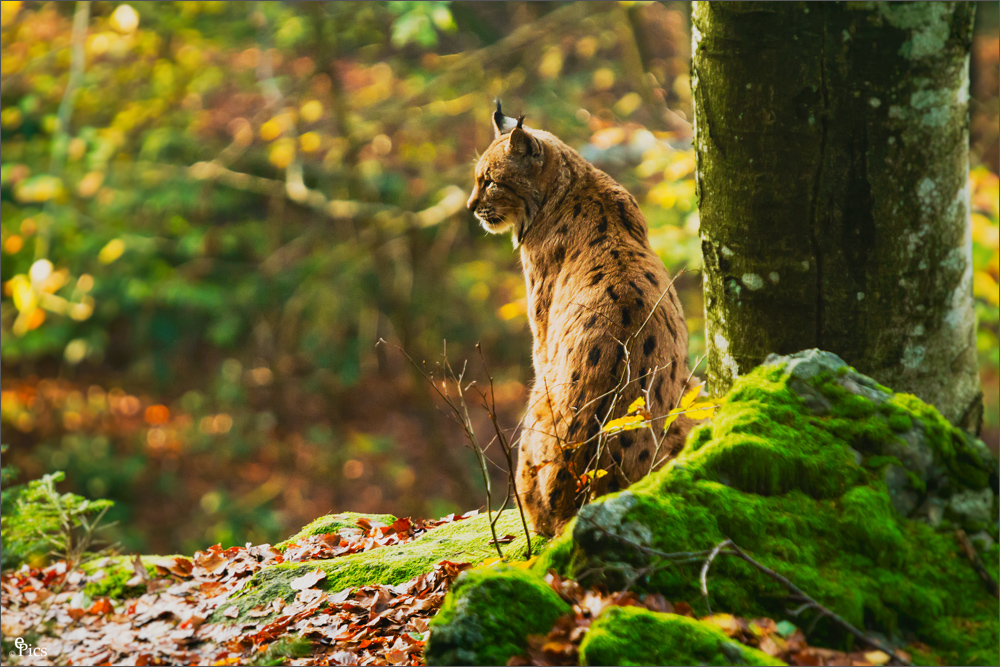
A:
(637, 636)
(333, 523)
(488, 615)
(823, 475)
(465, 541)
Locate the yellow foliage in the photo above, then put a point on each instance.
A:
(636, 417)
(112, 251)
(310, 142)
(687, 401)
(124, 19)
(608, 137)
(628, 104)
(272, 129)
(311, 111)
(10, 118)
(281, 153)
(690, 397)
(39, 189)
(551, 63)
(604, 78)
(90, 184)
(586, 47)
(511, 310)
(986, 287)
(636, 405)
(13, 244)
(702, 410)
(626, 423)
(8, 11)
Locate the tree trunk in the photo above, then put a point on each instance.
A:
(833, 166)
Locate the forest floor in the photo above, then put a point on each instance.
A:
(180, 610)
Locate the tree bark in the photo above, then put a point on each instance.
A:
(833, 165)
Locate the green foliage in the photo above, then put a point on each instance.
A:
(38, 521)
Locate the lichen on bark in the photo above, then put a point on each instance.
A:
(832, 143)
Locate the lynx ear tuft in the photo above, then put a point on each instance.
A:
(501, 123)
(520, 121)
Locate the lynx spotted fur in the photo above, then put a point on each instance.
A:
(606, 321)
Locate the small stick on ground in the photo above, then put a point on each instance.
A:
(704, 570)
(977, 562)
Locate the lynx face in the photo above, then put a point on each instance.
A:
(506, 195)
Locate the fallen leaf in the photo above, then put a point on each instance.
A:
(877, 657)
(307, 580)
(725, 622)
(100, 607)
(212, 560)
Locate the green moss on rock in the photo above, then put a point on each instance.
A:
(488, 615)
(637, 636)
(785, 471)
(465, 541)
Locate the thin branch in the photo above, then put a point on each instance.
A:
(507, 450)
(820, 609)
(337, 209)
(704, 570)
(977, 562)
(460, 412)
(81, 18)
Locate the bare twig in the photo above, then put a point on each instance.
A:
(729, 548)
(977, 563)
(704, 570)
(460, 413)
(507, 450)
(820, 609)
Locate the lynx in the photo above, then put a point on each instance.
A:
(606, 322)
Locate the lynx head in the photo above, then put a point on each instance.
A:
(507, 191)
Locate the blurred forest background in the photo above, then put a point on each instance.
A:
(211, 211)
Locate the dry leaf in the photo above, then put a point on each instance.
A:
(307, 580)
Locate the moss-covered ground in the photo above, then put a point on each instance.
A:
(810, 468)
(637, 636)
(117, 571)
(333, 523)
(465, 541)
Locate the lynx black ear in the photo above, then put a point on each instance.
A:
(501, 123)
